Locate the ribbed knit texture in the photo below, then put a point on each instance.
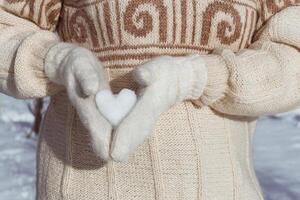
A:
(200, 149)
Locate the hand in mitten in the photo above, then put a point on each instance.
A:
(166, 81)
(83, 76)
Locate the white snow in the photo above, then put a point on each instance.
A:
(276, 153)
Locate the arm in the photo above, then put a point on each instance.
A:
(26, 33)
(35, 63)
(261, 80)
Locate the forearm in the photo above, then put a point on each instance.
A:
(23, 47)
(263, 79)
(255, 82)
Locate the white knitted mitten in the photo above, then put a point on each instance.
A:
(83, 76)
(166, 80)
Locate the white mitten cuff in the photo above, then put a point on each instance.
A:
(192, 76)
(54, 58)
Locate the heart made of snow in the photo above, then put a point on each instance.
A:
(114, 107)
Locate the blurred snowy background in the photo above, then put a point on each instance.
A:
(276, 153)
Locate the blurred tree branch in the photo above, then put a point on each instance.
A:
(36, 108)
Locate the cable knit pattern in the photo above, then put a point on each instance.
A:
(200, 149)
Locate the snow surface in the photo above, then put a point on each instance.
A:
(276, 153)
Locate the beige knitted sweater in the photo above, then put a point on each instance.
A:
(199, 150)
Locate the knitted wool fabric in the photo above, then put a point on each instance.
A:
(199, 150)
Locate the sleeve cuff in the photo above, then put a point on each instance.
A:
(31, 80)
(217, 83)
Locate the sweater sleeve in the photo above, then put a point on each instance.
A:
(26, 33)
(263, 79)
